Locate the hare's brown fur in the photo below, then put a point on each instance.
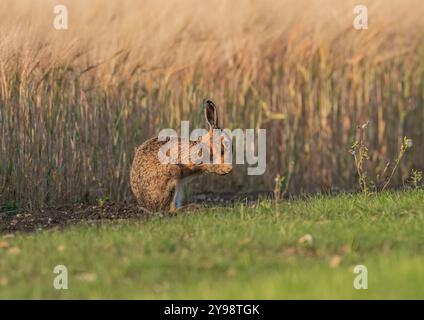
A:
(154, 183)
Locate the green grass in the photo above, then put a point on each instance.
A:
(232, 253)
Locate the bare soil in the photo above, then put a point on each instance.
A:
(59, 217)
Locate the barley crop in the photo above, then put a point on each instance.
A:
(75, 103)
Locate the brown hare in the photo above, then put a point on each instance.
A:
(157, 186)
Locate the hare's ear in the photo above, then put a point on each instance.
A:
(211, 114)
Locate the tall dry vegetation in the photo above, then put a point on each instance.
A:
(74, 104)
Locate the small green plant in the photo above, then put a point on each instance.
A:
(102, 201)
(277, 194)
(9, 207)
(406, 144)
(416, 178)
(264, 204)
(360, 153)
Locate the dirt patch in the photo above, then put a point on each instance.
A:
(60, 217)
(63, 216)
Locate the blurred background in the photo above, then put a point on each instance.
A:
(74, 104)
